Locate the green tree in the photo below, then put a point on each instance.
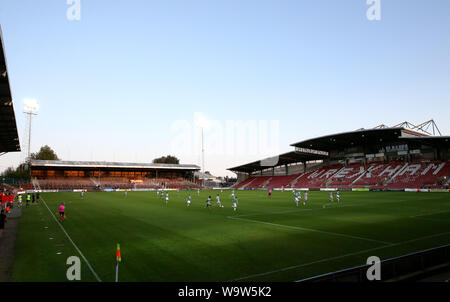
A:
(45, 153)
(169, 159)
(189, 175)
(22, 172)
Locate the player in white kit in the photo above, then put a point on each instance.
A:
(219, 204)
(208, 203)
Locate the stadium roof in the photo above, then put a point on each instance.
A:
(432, 141)
(358, 137)
(283, 159)
(320, 147)
(109, 165)
(9, 138)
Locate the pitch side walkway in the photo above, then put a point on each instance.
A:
(7, 244)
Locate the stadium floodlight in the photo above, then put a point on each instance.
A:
(30, 105)
(202, 121)
(30, 108)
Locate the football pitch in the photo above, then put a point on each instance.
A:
(264, 240)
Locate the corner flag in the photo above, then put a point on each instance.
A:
(118, 259)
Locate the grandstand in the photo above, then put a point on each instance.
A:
(69, 175)
(399, 157)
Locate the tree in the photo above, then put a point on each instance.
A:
(22, 172)
(189, 175)
(169, 159)
(45, 153)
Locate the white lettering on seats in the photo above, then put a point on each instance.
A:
(434, 167)
(412, 169)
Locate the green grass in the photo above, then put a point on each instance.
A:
(265, 240)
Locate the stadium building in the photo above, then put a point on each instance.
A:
(69, 175)
(399, 157)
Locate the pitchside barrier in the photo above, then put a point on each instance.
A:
(275, 189)
(407, 267)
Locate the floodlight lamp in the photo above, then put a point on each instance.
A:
(30, 105)
(201, 121)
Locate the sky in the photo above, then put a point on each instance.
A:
(131, 80)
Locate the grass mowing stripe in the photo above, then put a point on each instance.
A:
(432, 219)
(428, 214)
(324, 207)
(311, 263)
(310, 230)
(73, 243)
(338, 257)
(270, 213)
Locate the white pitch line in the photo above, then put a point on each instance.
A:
(271, 213)
(432, 219)
(338, 257)
(293, 211)
(307, 264)
(73, 243)
(310, 230)
(317, 209)
(428, 214)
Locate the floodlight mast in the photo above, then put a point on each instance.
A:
(31, 107)
(203, 160)
(29, 112)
